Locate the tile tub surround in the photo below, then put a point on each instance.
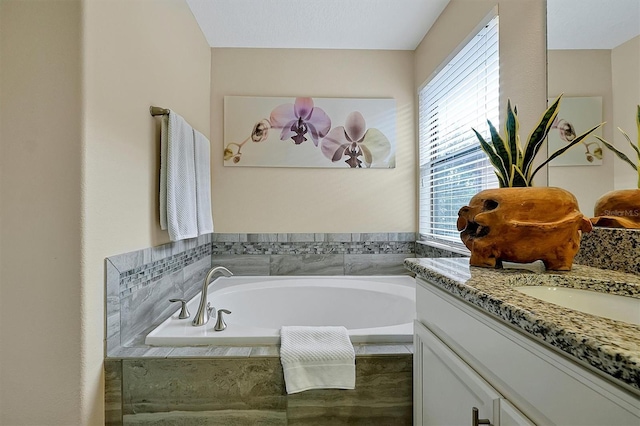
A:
(314, 253)
(606, 345)
(139, 283)
(250, 390)
(389, 366)
(611, 248)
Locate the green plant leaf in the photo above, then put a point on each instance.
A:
(500, 149)
(517, 178)
(635, 148)
(562, 150)
(537, 137)
(511, 130)
(638, 124)
(494, 158)
(619, 153)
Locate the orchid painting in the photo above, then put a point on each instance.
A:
(575, 116)
(309, 132)
(300, 119)
(355, 143)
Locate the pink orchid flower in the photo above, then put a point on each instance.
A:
(299, 119)
(359, 144)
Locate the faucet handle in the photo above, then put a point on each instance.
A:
(220, 324)
(211, 311)
(184, 312)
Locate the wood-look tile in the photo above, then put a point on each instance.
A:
(113, 393)
(163, 385)
(383, 396)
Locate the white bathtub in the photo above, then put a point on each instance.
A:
(375, 309)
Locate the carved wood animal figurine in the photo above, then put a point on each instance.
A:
(522, 225)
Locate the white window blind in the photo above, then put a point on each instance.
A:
(453, 168)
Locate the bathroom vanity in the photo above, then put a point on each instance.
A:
(480, 343)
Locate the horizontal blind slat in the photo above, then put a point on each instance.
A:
(453, 168)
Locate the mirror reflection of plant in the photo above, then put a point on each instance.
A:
(567, 133)
(635, 147)
(259, 133)
(512, 163)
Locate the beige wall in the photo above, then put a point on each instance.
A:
(314, 200)
(579, 73)
(136, 54)
(522, 48)
(79, 177)
(625, 65)
(40, 148)
(79, 162)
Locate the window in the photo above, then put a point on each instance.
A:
(453, 168)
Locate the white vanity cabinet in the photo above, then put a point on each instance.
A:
(449, 392)
(465, 358)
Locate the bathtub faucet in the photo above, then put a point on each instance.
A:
(204, 310)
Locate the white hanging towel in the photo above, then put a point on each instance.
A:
(203, 183)
(317, 358)
(164, 136)
(178, 179)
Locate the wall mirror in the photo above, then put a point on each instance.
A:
(593, 49)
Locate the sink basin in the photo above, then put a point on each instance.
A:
(606, 305)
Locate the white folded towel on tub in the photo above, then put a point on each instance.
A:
(317, 358)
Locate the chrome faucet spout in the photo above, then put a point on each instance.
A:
(202, 316)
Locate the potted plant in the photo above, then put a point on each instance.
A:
(518, 222)
(621, 208)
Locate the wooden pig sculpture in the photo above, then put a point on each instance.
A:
(522, 225)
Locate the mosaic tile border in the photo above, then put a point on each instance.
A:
(293, 248)
(136, 281)
(137, 278)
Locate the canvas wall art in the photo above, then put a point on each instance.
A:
(576, 116)
(309, 132)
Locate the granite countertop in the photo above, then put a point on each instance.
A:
(610, 346)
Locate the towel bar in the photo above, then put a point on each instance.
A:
(158, 111)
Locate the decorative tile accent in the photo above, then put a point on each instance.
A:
(611, 248)
(139, 284)
(312, 247)
(136, 278)
(148, 305)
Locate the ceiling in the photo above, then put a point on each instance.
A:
(316, 24)
(392, 24)
(591, 24)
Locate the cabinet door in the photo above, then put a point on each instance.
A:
(511, 416)
(446, 389)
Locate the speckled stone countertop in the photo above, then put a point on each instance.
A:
(608, 345)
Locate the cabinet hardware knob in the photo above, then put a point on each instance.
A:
(475, 421)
